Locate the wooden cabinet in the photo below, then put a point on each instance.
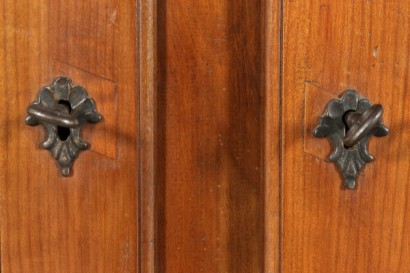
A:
(205, 160)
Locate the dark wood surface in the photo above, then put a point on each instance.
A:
(87, 222)
(330, 46)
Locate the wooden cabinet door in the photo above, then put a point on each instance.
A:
(328, 47)
(86, 222)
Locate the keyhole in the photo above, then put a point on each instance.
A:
(347, 127)
(64, 132)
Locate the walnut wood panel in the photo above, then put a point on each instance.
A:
(87, 222)
(330, 46)
(210, 160)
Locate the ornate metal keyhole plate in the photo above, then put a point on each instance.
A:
(63, 108)
(349, 122)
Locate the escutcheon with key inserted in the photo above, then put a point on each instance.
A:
(349, 122)
(63, 108)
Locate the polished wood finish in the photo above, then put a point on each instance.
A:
(210, 136)
(330, 46)
(149, 248)
(206, 172)
(205, 160)
(272, 40)
(87, 222)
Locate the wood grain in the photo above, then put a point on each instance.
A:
(87, 222)
(272, 40)
(335, 45)
(210, 136)
(149, 193)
